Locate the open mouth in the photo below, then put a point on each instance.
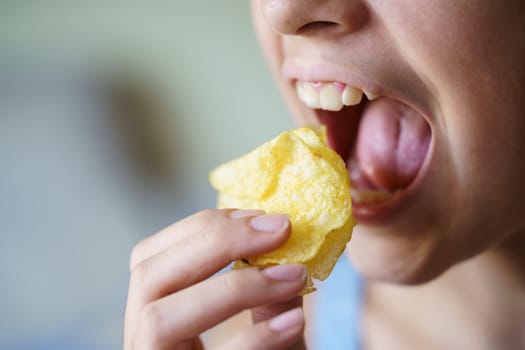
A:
(383, 141)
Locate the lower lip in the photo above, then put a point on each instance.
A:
(380, 213)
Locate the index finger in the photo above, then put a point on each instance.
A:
(181, 231)
(217, 239)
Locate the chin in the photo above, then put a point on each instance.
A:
(422, 251)
(380, 254)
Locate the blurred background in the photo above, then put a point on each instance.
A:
(112, 113)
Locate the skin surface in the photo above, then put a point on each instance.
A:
(461, 66)
(450, 252)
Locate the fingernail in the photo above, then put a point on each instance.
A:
(242, 213)
(270, 222)
(286, 273)
(287, 320)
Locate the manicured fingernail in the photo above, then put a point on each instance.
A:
(270, 223)
(242, 213)
(286, 273)
(287, 320)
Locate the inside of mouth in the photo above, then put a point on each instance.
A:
(383, 142)
(342, 127)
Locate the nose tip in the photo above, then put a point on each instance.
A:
(307, 17)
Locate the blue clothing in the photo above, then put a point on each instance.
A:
(338, 309)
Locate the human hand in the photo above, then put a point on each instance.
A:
(171, 300)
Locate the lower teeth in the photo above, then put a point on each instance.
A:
(370, 196)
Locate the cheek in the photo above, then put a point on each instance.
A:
(487, 148)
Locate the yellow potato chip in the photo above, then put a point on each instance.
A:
(298, 174)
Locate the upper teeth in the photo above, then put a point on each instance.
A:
(370, 96)
(331, 96)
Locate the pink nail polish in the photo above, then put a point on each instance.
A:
(242, 213)
(286, 273)
(270, 223)
(287, 320)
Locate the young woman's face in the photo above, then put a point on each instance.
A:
(437, 161)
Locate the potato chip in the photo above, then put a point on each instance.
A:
(298, 174)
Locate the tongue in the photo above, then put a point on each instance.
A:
(391, 144)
